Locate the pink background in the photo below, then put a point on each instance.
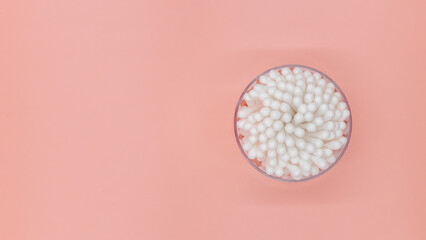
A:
(116, 119)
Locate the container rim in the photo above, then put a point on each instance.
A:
(343, 150)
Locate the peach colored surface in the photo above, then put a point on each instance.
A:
(116, 119)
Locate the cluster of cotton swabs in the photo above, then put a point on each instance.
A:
(293, 122)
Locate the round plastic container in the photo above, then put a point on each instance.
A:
(258, 164)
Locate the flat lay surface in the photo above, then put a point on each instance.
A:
(116, 119)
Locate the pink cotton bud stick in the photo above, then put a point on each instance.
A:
(292, 123)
